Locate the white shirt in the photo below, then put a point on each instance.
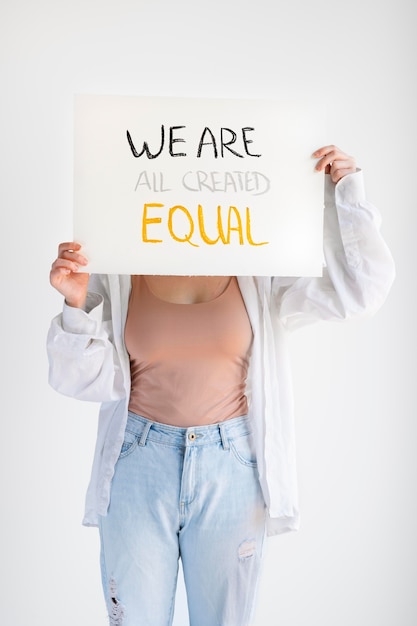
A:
(88, 358)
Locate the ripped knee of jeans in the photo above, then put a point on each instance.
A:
(116, 610)
(247, 549)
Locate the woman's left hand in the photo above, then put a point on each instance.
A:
(334, 162)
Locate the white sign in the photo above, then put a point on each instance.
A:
(198, 186)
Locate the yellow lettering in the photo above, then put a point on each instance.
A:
(203, 233)
(150, 220)
(248, 231)
(186, 212)
(237, 228)
(185, 221)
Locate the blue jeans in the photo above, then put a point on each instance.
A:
(189, 493)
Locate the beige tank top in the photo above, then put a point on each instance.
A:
(188, 362)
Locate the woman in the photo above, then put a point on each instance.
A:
(195, 449)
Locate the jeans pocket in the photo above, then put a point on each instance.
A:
(244, 450)
(129, 444)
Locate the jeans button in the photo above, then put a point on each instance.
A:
(192, 436)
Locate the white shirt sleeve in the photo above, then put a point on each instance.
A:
(359, 268)
(83, 362)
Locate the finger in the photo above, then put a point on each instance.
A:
(328, 158)
(57, 276)
(346, 164)
(68, 250)
(340, 173)
(317, 154)
(336, 159)
(68, 246)
(329, 154)
(325, 162)
(67, 266)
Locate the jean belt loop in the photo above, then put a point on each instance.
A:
(145, 433)
(223, 435)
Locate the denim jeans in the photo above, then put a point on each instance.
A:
(189, 493)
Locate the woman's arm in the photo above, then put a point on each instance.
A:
(359, 269)
(65, 276)
(83, 360)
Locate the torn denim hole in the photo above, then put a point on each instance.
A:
(247, 549)
(116, 610)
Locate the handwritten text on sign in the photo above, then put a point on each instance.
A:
(186, 186)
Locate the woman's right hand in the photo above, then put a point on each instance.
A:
(66, 278)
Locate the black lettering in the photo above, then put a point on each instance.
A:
(173, 140)
(145, 148)
(207, 143)
(246, 141)
(226, 144)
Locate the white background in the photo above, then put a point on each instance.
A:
(354, 559)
